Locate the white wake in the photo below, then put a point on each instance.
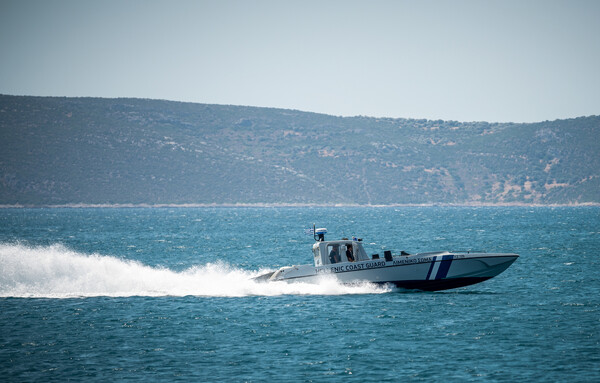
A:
(58, 272)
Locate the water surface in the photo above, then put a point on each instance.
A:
(166, 294)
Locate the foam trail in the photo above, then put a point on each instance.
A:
(58, 272)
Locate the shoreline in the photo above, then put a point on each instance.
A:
(283, 205)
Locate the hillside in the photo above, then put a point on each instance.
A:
(119, 151)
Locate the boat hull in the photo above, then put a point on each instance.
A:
(428, 271)
(442, 284)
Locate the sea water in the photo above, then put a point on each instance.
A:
(166, 294)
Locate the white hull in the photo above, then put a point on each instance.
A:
(426, 271)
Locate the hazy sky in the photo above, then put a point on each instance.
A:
(516, 61)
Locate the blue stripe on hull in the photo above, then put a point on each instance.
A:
(430, 268)
(444, 267)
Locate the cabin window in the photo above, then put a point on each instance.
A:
(334, 253)
(349, 253)
(317, 255)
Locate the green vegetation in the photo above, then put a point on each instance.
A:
(120, 151)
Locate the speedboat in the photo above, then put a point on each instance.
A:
(348, 262)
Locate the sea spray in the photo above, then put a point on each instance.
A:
(56, 271)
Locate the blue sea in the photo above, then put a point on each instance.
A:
(165, 294)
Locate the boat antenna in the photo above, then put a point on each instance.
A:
(319, 234)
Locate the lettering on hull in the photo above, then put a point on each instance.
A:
(352, 267)
(443, 261)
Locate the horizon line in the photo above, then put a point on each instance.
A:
(295, 110)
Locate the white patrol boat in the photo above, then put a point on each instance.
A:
(347, 261)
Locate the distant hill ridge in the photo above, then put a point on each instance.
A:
(58, 151)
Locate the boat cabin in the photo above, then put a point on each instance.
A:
(331, 252)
